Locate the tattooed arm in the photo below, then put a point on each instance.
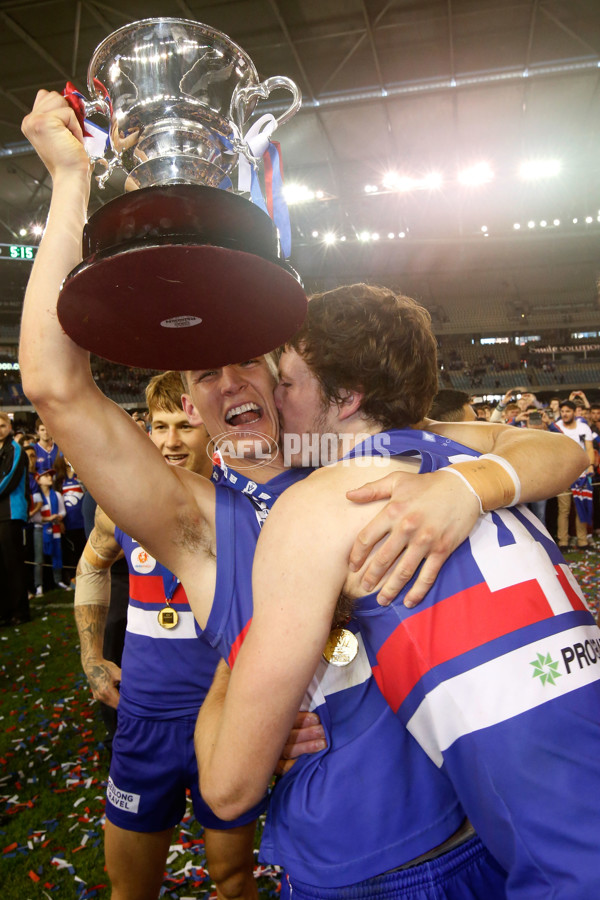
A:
(92, 599)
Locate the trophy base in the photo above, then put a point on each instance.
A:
(180, 305)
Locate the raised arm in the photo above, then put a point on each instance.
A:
(429, 516)
(92, 599)
(112, 456)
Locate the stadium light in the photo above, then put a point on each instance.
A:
(297, 193)
(476, 175)
(516, 226)
(330, 238)
(533, 169)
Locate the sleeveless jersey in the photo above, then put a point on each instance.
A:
(45, 459)
(496, 675)
(349, 812)
(166, 672)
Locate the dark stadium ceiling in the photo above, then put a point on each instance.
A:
(410, 86)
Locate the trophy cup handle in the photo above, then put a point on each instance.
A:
(243, 97)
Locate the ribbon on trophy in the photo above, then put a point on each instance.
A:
(95, 139)
(258, 140)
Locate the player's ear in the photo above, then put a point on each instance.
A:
(350, 403)
(194, 417)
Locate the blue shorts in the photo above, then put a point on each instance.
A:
(153, 762)
(468, 872)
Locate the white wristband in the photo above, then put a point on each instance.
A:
(458, 474)
(509, 471)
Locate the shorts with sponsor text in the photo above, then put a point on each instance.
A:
(468, 872)
(153, 762)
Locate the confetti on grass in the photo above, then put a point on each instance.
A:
(53, 767)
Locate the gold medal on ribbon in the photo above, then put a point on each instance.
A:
(168, 617)
(341, 647)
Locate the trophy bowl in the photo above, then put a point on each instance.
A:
(179, 272)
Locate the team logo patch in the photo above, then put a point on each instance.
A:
(142, 562)
(122, 799)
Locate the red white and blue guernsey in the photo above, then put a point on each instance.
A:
(496, 676)
(350, 812)
(166, 672)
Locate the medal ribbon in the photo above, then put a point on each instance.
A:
(262, 500)
(170, 585)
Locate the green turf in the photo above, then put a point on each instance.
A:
(52, 769)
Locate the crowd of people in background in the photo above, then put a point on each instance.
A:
(42, 531)
(51, 518)
(574, 416)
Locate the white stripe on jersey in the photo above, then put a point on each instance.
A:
(512, 564)
(145, 622)
(505, 687)
(330, 679)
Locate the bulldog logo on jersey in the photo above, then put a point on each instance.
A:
(141, 561)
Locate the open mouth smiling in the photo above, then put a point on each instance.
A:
(245, 414)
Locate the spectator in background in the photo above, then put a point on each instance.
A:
(499, 414)
(554, 408)
(35, 505)
(52, 513)
(46, 450)
(139, 418)
(595, 429)
(578, 431)
(536, 419)
(482, 412)
(581, 405)
(14, 500)
(74, 537)
(451, 406)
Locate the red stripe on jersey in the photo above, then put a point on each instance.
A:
(236, 646)
(574, 599)
(462, 622)
(151, 589)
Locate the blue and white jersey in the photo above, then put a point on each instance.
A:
(166, 672)
(353, 795)
(496, 676)
(45, 459)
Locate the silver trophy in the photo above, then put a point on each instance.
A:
(180, 271)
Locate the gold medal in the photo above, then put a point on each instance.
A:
(341, 647)
(168, 617)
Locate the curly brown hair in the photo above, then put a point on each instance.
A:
(366, 337)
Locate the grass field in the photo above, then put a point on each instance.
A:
(53, 766)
